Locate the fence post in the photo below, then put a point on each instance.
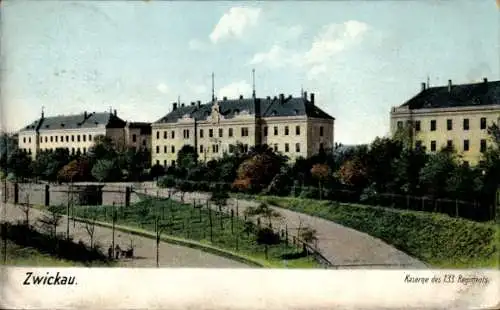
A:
(286, 234)
(128, 191)
(232, 218)
(16, 193)
(210, 221)
(47, 195)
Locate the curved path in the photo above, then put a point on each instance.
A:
(342, 246)
(145, 249)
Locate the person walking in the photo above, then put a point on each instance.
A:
(110, 252)
(117, 251)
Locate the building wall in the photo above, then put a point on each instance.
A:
(28, 142)
(457, 134)
(141, 141)
(308, 139)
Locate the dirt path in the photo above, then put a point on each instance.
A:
(341, 245)
(145, 248)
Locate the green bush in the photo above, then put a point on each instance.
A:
(166, 181)
(437, 239)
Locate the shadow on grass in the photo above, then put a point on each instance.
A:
(55, 246)
(294, 255)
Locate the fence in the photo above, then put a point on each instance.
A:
(474, 210)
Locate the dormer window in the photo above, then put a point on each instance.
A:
(274, 113)
(97, 123)
(296, 112)
(62, 124)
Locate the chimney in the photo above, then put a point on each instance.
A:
(193, 103)
(241, 97)
(305, 95)
(224, 98)
(282, 98)
(182, 105)
(114, 112)
(312, 98)
(199, 103)
(290, 96)
(174, 106)
(85, 114)
(449, 86)
(423, 86)
(268, 98)
(485, 80)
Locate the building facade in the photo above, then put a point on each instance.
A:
(454, 116)
(76, 133)
(294, 126)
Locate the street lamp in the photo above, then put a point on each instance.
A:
(159, 229)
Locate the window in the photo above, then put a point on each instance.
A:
(165, 150)
(466, 163)
(433, 125)
(185, 133)
(157, 162)
(297, 130)
(144, 142)
(24, 140)
(210, 133)
(265, 131)
(172, 149)
(90, 137)
(157, 149)
(287, 147)
(84, 150)
(84, 138)
(72, 151)
(276, 147)
(449, 124)
(483, 123)
(201, 133)
(466, 145)
(29, 140)
(201, 148)
(172, 134)
(51, 139)
(417, 125)
(418, 144)
(433, 146)
(231, 148)
(321, 147)
(165, 163)
(58, 137)
(173, 163)
(67, 138)
(215, 148)
(297, 147)
(275, 130)
(321, 131)
(72, 138)
(230, 133)
(157, 135)
(466, 124)
(220, 132)
(46, 139)
(78, 138)
(244, 131)
(449, 144)
(134, 138)
(62, 138)
(286, 130)
(78, 151)
(483, 146)
(400, 124)
(245, 148)
(29, 151)
(165, 135)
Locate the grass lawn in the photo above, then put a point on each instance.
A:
(201, 224)
(25, 256)
(437, 239)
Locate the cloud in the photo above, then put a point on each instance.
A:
(197, 45)
(234, 90)
(233, 23)
(292, 33)
(330, 41)
(162, 88)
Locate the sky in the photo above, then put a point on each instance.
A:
(360, 58)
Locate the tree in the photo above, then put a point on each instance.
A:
(103, 148)
(266, 236)
(381, 155)
(76, 170)
(134, 162)
(157, 171)
(406, 171)
(187, 157)
(90, 222)
(435, 174)
(106, 170)
(320, 172)
(49, 221)
(19, 164)
(353, 173)
(48, 164)
(263, 210)
(260, 168)
(8, 144)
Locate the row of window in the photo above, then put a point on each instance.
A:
(449, 144)
(215, 148)
(62, 138)
(244, 132)
(449, 124)
(73, 150)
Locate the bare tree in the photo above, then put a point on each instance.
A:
(309, 235)
(49, 221)
(90, 227)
